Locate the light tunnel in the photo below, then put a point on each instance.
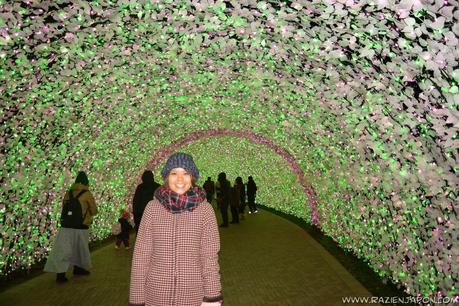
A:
(271, 178)
(348, 108)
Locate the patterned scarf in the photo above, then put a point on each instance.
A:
(176, 203)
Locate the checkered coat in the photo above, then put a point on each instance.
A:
(175, 260)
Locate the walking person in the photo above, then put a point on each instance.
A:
(71, 246)
(123, 236)
(143, 194)
(223, 197)
(251, 194)
(240, 187)
(234, 205)
(209, 187)
(175, 261)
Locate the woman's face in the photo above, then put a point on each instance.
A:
(179, 180)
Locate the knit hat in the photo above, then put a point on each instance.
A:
(124, 214)
(180, 160)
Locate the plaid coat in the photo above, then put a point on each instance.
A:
(175, 260)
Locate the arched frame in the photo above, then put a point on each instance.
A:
(163, 153)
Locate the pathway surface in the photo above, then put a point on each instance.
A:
(265, 261)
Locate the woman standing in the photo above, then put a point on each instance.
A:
(175, 260)
(143, 194)
(71, 244)
(223, 190)
(240, 187)
(251, 194)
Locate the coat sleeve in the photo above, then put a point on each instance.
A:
(92, 204)
(141, 259)
(66, 198)
(210, 246)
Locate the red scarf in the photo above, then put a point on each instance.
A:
(176, 203)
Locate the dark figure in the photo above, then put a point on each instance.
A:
(143, 194)
(251, 194)
(240, 188)
(209, 187)
(223, 197)
(234, 205)
(125, 228)
(71, 246)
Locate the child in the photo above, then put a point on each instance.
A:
(125, 228)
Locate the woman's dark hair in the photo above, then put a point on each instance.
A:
(239, 180)
(82, 178)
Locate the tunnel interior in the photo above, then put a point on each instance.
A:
(346, 111)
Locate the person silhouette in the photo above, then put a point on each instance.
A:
(209, 187)
(143, 194)
(240, 187)
(223, 197)
(234, 204)
(123, 236)
(251, 194)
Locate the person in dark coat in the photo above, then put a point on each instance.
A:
(223, 197)
(125, 228)
(240, 187)
(251, 194)
(143, 194)
(234, 204)
(209, 187)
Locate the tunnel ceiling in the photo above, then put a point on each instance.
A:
(363, 94)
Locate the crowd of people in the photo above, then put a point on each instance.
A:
(175, 259)
(232, 197)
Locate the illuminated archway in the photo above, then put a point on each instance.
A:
(161, 155)
(363, 94)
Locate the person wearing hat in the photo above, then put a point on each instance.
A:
(175, 261)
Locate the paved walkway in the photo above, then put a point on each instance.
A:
(265, 261)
